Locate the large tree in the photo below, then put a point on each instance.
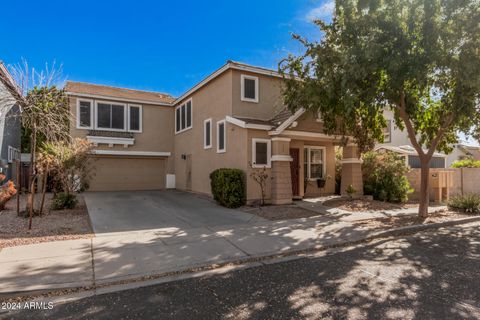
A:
(44, 112)
(419, 58)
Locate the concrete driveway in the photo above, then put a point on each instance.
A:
(144, 210)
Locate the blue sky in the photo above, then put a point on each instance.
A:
(165, 46)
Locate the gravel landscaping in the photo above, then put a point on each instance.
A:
(53, 225)
(356, 205)
(279, 212)
(402, 221)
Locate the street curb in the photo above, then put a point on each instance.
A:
(205, 270)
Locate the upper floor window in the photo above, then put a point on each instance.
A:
(261, 149)
(84, 114)
(111, 116)
(249, 88)
(183, 116)
(314, 162)
(134, 118)
(221, 136)
(207, 133)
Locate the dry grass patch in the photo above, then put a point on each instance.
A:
(402, 221)
(280, 212)
(53, 225)
(356, 205)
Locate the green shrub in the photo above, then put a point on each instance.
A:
(466, 163)
(384, 177)
(228, 187)
(465, 203)
(64, 201)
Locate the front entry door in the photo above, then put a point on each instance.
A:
(295, 170)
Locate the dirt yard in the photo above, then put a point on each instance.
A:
(281, 212)
(356, 205)
(402, 221)
(53, 225)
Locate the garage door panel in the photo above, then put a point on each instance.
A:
(118, 174)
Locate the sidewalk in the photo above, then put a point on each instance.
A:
(128, 255)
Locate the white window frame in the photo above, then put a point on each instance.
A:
(308, 163)
(91, 114)
(140, 122)
(254, 153)
(205, 146)
(184, 104)
(242, 86)
(125, 115)
(224, 136)
(13, 154)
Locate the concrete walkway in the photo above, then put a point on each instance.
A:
(125, 255)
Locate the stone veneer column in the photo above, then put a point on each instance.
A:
(351, 170)
(281, 178)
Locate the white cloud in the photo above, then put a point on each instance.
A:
(325, 10)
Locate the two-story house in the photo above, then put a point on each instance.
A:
(234, 118)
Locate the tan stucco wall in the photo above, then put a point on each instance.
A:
(308, 122)
(212, 101)
(270, 97)
(465, 180)
(157, 130)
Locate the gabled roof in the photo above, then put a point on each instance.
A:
(407, 150)
(227, 66)
(278, 123)
(106, 92)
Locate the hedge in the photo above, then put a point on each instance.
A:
(228, 187)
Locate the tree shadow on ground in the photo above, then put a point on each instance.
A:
(432, 275)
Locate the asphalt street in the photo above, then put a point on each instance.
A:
(431, 275)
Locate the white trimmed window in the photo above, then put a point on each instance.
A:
(261, 151)
(221, 136)
(314, 162)
(84, 114)
(249, 88)
(111, 116)
(13, 154)
(134, 118)
(183, 117)
(207, 134)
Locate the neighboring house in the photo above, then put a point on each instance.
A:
(397, 141)
(462, 151)
(234, 118)
(410, 155)
(10, 124)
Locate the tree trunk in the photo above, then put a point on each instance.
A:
(44, 189)
(30, 198)
(31, 181)
(424, 187)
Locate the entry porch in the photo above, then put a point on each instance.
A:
(303, 165)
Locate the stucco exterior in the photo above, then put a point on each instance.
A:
(219, 99)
